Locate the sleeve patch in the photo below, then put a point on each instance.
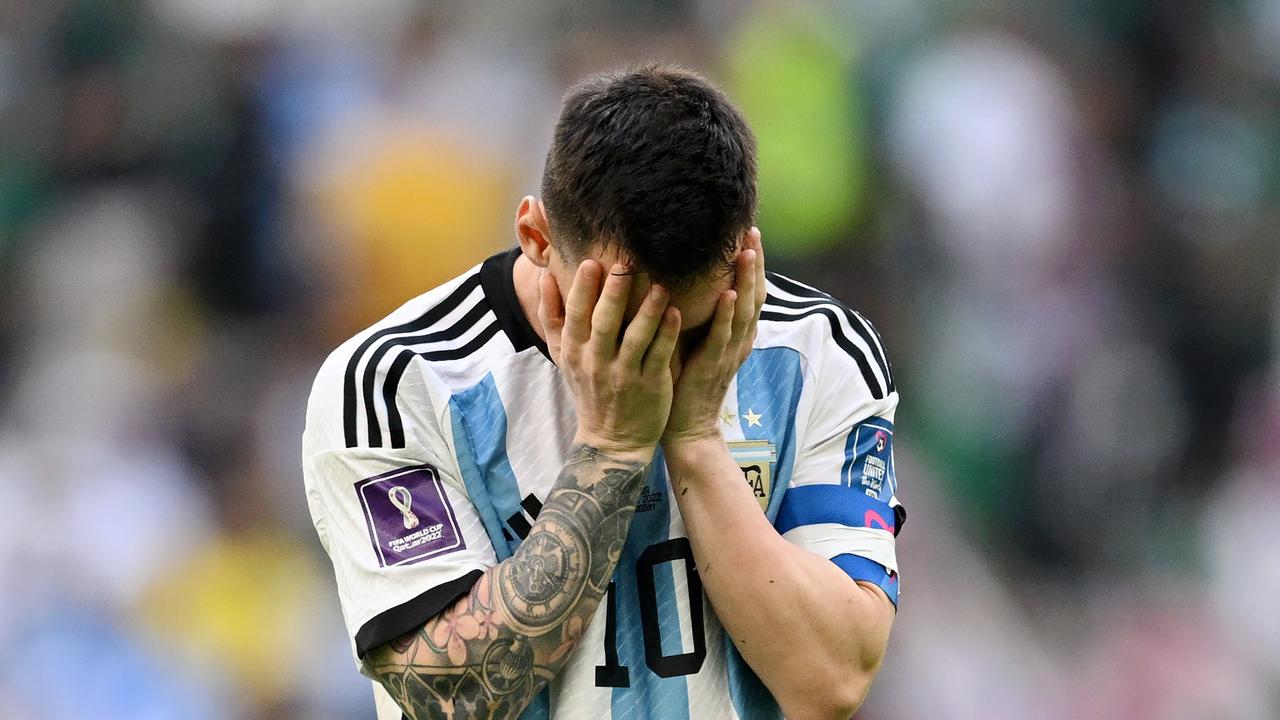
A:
(408, 515)
(868, 463)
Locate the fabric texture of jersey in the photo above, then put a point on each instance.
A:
(433, 437)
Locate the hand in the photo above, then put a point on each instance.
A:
(704, 378)
(622, 388)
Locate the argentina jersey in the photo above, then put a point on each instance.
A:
(434, 436)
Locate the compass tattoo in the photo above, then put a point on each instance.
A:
(489, 654)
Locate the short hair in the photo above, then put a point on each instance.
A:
(658, 161)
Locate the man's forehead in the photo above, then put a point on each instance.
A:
(608, 252)
(714, 280)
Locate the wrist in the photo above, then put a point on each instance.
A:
(692, 448)
(621, 451)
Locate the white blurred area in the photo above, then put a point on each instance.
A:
(1062, 220)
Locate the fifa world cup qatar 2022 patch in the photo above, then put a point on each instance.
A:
(409, 516)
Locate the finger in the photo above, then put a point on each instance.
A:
(551, 313)
(639, 333)
(717, 340)
(607, 317)
(676, 366)
(762, 289)
(582, 300)
(662, 349)
(745, 285)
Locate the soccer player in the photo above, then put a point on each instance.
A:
(618, 471)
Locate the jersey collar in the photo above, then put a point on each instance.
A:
(497, 277)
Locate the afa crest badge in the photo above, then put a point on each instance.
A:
(755, 459)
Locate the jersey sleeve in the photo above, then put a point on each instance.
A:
(841, 500)
(398, 524)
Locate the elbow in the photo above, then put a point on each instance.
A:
(839, 701)
(848, 667)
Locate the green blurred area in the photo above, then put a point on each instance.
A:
(804, 106)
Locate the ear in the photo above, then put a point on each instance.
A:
(533, 231)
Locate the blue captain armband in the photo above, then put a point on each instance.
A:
(833, 521)
(824, 504)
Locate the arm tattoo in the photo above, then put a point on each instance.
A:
(489, 654)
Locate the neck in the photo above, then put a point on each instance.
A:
(525, 278)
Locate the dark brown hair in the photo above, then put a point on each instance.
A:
(656, 160)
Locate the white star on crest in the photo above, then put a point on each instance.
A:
(752, 418)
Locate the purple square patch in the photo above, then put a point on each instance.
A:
(409, 517)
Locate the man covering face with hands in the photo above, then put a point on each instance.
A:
(648, 479)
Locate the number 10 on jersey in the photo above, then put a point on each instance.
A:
(613, 674)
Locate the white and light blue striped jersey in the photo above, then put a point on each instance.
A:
(433, 437)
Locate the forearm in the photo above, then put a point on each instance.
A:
(491, 652)
(773, 597)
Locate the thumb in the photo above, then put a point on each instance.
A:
(551, 314)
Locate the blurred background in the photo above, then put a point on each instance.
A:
(1063, 217)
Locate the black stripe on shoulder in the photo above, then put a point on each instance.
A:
(454, 331)
(864, 367)
(860, 325)
(431, 316)
(391, 385)
(794, 287)
(406, 617)
(878, 347)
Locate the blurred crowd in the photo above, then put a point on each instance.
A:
(1064, 219)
